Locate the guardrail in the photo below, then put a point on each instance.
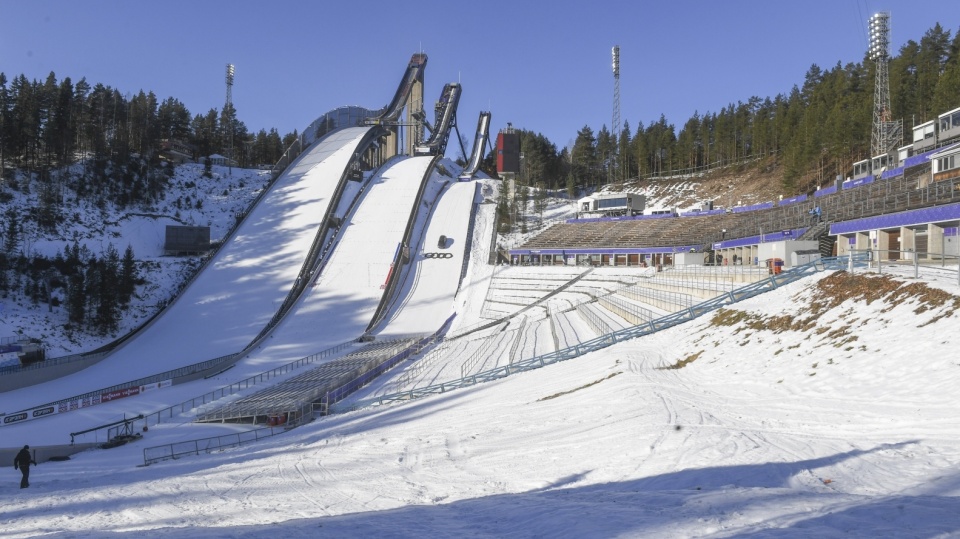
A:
(468, 247)
(663, 299)
(877, 258)
(599, 325)
(168, 375)
(481, 352)
(733, 296)
(206, 445)
(519, 337)
(287, 399)
(633, 314)
(157, 417)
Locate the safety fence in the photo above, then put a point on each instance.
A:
(634, 314)
(304, 413)
(471, 362)
(206, 445)
(895, 258)
(596, 323)
(91, 398)
(747, 291)
(518, 339)
(170, 412)
(662, 299)
(413, 372)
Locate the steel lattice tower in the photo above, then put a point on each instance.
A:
(886, 132)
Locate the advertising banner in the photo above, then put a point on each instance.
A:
(84, 402)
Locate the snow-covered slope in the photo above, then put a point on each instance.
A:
(822, 409)
(755, 421)
(226, 194)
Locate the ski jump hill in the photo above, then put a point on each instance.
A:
(305, 270)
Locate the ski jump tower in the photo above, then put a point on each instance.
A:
(414, 111)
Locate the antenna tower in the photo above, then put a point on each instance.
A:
(228, 108)
(616, 96)
(887, 133)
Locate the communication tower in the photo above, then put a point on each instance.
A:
(887, 133)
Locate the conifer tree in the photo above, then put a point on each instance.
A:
(128, 277)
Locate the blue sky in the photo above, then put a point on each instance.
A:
(543, 66)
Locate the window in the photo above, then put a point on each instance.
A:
(948, 162)
(950, 120)
(612, 202)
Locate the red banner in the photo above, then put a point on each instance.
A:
(119, 394)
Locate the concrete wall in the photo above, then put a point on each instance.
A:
(783, 249)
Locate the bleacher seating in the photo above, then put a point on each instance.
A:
(875, 198)
(291, 395)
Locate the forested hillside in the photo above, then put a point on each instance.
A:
(77, 157)
(66, 145)
(814, 132)
(55, 123)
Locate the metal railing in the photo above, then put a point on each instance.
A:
(170, 412)
(747, 291)
(206, 445)
(596, 323)
(633, 314)
(878, 258)
(519, 337)
(419, 366)
(168, 375)
(662, 299)
(246, 383)
(286, 397)
(471, 362)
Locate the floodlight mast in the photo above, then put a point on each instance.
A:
(886, 132)
(228, 106)
(616, 96)
(230, 72)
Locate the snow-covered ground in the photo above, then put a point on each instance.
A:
(789, 415)
(225, 195)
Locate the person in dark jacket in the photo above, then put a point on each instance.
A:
(22, 462)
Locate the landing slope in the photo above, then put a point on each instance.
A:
(341, 302)
(251, 274)
(431, 284)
